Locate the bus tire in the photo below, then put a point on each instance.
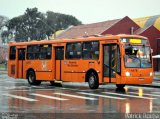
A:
(120, 86)
(93, 81)
(31, 77)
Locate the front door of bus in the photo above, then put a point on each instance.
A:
(111, 62)
(59, 56)
(21, 58)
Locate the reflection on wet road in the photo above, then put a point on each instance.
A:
(17, 96)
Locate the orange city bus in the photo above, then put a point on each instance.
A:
(120, 59)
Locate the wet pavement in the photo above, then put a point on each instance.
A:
(75, 100)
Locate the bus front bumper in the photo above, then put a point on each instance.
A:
(135, 80)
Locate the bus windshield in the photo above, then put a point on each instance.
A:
(137, 56)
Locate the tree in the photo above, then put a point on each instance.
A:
(35, 26)
(3, 22)
(27, 26)
(6, 36)
(60, 21)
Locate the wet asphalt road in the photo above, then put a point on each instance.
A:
(74, 100)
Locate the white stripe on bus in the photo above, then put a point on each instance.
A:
(19, 97)
(46, 96)
(75, 96)
(104, 96)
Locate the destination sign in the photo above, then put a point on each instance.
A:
(134, 41)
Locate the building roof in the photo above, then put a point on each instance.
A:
(148, 21)
(88, 29)
(142, 30)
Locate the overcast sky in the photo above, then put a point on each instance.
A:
(87, 11)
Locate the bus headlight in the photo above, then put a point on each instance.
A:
(128, 74)
(150, 74)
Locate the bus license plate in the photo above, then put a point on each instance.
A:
(141, 78)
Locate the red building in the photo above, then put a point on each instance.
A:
(118, 26)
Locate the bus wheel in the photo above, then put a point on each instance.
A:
(120, 86)
(32, 78)
(93, 81)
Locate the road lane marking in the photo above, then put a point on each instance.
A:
(156, 92)
(21, 87)
(13, 81)
(19, 97)
(104, 96)
(36, 87)
(155, 83)
(25, 90)
(137, 87)
(46, 96)
(144, 94)
(70, 89)
(126, 95)
(75, 96)
(16, 87)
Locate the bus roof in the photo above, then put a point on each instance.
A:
(76, 39)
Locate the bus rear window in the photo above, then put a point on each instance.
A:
(12, 55)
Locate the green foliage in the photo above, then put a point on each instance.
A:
(35, 25)
(28, 26)
(61, 21)
(3, 21)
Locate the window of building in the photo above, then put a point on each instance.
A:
(91, 50)
(74, 50)
(12, 55)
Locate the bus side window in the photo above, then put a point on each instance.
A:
(45, 51)
(39, 51)
(91, 50)
(33, 52)
(74, 50)
(12, 55)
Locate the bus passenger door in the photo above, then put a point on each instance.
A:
(20, 65)
(59, 56)
(111, 62)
